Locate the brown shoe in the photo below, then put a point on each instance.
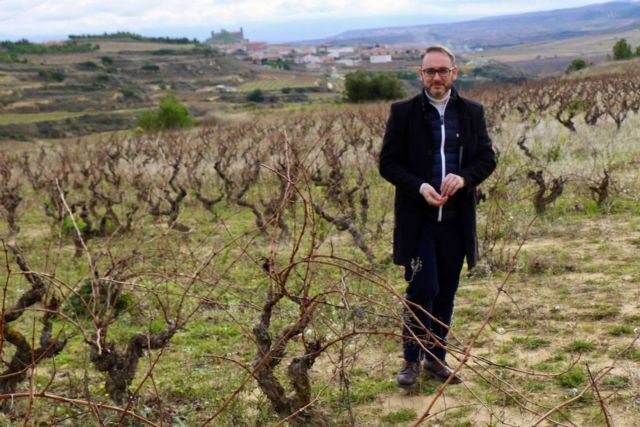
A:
(408, 375)
(440, 371)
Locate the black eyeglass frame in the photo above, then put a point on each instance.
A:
(431, 72)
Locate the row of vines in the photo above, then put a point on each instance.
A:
(235, 274)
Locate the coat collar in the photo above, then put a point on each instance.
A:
(454, 100)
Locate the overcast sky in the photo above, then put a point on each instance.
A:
(265, 20)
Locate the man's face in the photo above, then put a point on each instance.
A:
(437, 84)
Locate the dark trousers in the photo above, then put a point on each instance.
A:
(433, 276)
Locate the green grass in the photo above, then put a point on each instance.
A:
(632, 353)
(619, 330)
(616, 381)
(581, 346)
(367, 389)
(572, 378)
(604, 311)
(536, 386)
(400, 416)
(530, 343)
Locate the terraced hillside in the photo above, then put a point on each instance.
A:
(61, 95)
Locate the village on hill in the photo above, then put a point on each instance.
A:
(309, 56)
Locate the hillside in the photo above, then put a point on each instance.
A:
(510, 30)
(553, 57)
(62, 95)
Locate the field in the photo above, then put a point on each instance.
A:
(121, 76)
(279, 81)
(571, 47)
(553, 57)
(132, 76)
(239, 273)
(6, 119)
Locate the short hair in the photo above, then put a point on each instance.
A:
(442, 49)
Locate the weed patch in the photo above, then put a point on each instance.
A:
(400, 416)
(619, 330)
(581, 346)
(530, 343)
(572, 378)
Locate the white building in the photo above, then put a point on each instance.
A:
(380, 59)
(345, 62)
(337, 52)
(305, 49)
(308, 59)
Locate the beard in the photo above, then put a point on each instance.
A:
(438, 90)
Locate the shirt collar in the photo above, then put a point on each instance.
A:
(438, 101)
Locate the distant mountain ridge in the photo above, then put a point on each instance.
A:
(508, 30)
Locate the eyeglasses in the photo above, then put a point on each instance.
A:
(442, 72)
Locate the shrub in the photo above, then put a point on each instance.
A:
(130, 92)
(363, 86)
(88, 65)
(150, 67)
(576, 64)
(106, 60)
(109, 296)
(622, 50)
(172, 114)
(52, 75)
(256, 96)
(498, 72)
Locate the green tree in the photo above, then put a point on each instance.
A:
(576, 64)
(172, 114)
(638, 51)
(357, 86)
(362, 86)
(107, 60)
(255, 95)
(622, 50)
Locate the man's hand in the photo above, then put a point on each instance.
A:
(431, 196)
(451, 184)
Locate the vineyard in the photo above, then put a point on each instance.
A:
(279, 82)
(241, 275)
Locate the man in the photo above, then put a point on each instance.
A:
(436, 150)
